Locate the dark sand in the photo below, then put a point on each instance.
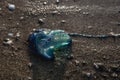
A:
(82, 16)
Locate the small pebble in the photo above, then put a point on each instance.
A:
(105, 57)
(69, 57)
(77, 62)
(30, 65)
(99, 66)
(118, 11)
(89, 27)
(41, 21)
(44, 3)
(115, 68)
(57, 1)
(84, 63)
(10, 18)
(104, 75)
(33, 29)
(7, 41)
(17, 23)
(21, 18)
(10, 34)
(118, 24)
(55, 12)
(29, 78)
(11, 7)
(18, 34)
(111, 33)
(114, 75)
(87, 74)
(63, 21)
(85, 13)
(74, 0)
